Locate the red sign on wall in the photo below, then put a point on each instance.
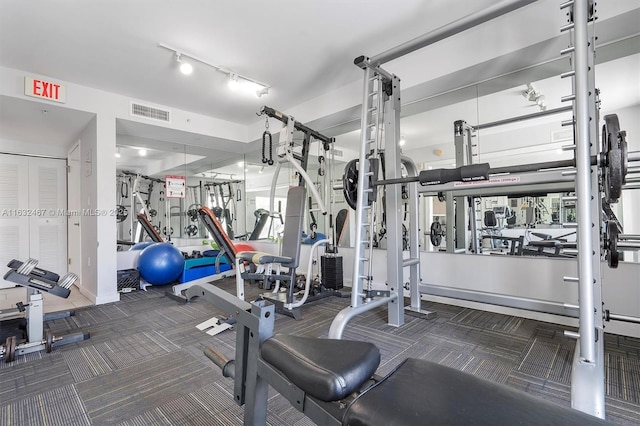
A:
(44, 89)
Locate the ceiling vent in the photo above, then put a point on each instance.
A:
(337, 152)
(146, 111)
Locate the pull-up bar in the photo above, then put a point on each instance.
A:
(448, 30)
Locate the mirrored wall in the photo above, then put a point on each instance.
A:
(512, 120)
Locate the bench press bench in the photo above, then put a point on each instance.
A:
(333, 382)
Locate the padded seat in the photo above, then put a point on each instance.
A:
(261, 258)
(327, 369)
(420, 392)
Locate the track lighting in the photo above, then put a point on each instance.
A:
(185, 67)
(237, 82)
(142, 152)
(534, 95)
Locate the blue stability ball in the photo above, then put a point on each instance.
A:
(141, 246)
(160, 264)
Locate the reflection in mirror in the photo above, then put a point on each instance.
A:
(514, 120)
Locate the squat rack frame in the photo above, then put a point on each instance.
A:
(587, 385)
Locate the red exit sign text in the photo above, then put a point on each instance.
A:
(45, 89)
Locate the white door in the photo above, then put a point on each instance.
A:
(14, 210)
(73, 206)
(48, 226)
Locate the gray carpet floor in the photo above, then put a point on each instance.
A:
(144, 365)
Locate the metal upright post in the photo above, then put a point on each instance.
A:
(394, 204)
(587, 384)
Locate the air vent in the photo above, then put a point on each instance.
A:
(147, 111)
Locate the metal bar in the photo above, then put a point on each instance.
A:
(629, 246)
(522, 118)
(359, 247)
(450, 29)
(273, 113)
(583, 185)
(624, 318)
(347, 314)
(529, 304)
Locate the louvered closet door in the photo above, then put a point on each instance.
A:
(48, 228)
(14, 205)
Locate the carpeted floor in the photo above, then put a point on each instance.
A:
(143, 364)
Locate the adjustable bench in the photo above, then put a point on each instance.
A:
(333, 382)
(227, 249)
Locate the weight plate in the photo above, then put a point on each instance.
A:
(615, 153)
(350, 183)
(10, 349)
(121, 213)
(48, 344)
(191, 230)
(436, 234)
(613, 256)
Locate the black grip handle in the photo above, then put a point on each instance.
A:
(461, 174)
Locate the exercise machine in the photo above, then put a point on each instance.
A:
(269, 266)
(36, 280)
(598, 171)
(333, 382)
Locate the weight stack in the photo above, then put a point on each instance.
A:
(331, 268)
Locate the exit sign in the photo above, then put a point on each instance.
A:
(44, 89)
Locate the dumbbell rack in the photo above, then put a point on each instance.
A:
(36, 280)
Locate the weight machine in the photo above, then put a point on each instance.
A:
(36, 280)
(595, 169)
(333, 382)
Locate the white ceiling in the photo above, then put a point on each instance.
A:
(304, 50)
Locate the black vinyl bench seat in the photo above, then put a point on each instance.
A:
(417, 392)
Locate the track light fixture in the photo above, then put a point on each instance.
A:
(237, 82)
(534, 95)
(185, 67)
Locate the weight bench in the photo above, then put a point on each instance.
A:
(208, 218)
(36, 280)
(333, 382)
(143, 220)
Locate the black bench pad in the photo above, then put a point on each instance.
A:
(327, 369)
(422, 393)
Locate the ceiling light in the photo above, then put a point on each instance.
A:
(240, 163)
(118, 155)
(234, 84)
(261, 170)
(142, 152)
(402, 141)
(185, 67)
(247, 84)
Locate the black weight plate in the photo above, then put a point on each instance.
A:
(48, 344)
(615, 151)
(436, 234)
(10, 349)
(613, 256)
(350, 183)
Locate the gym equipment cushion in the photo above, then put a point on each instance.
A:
(326, 369)
(420, 392)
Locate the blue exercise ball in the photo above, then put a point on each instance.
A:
(141, 246)
(160, 264)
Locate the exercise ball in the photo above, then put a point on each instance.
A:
(141, 246)
(160, 264)
(243, 247)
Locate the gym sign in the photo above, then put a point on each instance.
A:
(44, 89)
